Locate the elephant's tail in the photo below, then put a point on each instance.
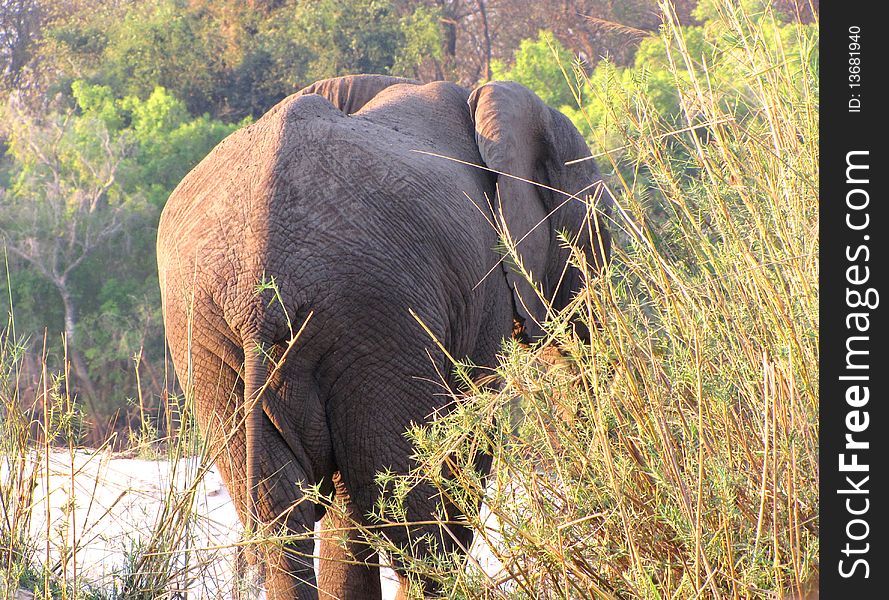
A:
(255, 377)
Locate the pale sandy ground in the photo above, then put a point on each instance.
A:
(116, 504)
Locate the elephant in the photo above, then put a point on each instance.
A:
(321, 266)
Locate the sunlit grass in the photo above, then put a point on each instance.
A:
(73, 525)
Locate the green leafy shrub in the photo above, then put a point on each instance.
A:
(660, 72)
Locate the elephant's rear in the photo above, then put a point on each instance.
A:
(214, 232)
(325, 213)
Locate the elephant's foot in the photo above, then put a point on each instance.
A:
(339, 579)
(247, 582)
(284, 570)
(289, 573)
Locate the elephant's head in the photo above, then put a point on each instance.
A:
(525, 141)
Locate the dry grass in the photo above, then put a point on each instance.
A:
(77, 523)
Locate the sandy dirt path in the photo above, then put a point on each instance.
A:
(106, 506)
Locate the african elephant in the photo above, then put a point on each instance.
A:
(337, 214)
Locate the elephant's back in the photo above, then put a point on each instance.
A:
(380, 214)
(372, 186)
(327, 171)
(354, 208)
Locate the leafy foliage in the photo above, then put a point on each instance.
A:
(540, 65)
(231, 62)
(659, 70)
(78, 218)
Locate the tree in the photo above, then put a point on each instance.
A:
(78, 213)
(538, 65)
(20, 22)
(65, 204)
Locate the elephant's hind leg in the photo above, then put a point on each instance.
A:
(286, 567)
(351, 571)
(295, 455)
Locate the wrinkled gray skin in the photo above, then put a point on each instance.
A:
(327, 196)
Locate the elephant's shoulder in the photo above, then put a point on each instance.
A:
(439, 102)
(301, 107)
(436, 94)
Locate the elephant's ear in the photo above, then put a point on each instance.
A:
(511, 132)
(351, 92)
(523, 140)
